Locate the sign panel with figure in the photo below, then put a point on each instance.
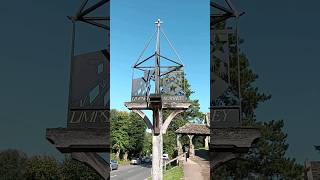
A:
(89, 101)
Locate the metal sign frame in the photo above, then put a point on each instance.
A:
(223, 79)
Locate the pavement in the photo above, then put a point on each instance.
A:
(198, 167)
(131, 172)
(202, 158)
(192, 170)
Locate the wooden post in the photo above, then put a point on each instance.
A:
(191, 147)
(206, 142)
(179, 145)
(157, 144)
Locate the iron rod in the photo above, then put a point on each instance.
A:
(92, 8)
(83, 4)
(97, 24)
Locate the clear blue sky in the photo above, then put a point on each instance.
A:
(133, 23)
(281, 42)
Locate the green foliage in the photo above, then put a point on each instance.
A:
(42, 168)
(169, 143)
(147, 144)
(15, 165)
(137, 129)
(169, 139)
(74, 170)
(12, 164)
(175, 173)
(119, 131)
(267, 160)
(127, 133)
(198, 142)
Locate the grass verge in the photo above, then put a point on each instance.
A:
(175, 173)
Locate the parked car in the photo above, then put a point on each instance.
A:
(146, 159)
(135, 161)
(165, 157)
(113, 165)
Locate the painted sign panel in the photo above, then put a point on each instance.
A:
(225, 117)
(172, 87)
(89, 98)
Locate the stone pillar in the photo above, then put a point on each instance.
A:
(206, 142)
(179, 145)
(191, 146)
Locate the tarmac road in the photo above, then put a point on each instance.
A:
(132, 172)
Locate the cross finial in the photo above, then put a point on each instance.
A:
(158, 22)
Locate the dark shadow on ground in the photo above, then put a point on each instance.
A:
(203, 154)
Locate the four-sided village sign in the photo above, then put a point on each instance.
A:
(159, 86)
(88, 124)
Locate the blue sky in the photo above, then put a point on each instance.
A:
(133, 23)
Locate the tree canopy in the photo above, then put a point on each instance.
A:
(267, 160)
(16, 165)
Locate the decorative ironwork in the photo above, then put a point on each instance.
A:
(162, 74)
(89, 96)
(225, 90)
(172, 84)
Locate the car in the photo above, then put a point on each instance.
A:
(113, 165)
(146, 159)
(165, 156)
(135, 161)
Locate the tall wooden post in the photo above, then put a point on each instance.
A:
(157, 144)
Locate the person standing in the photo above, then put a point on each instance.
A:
(186, 150)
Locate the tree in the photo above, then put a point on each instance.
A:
(169, 139)
(15, 165)
(75, 170)
(12, 164)
(267, 160)
(42, 168)
(136, 133)
(127, 133)
(147, 144)
(119, 131)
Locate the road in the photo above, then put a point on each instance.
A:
(132, 172)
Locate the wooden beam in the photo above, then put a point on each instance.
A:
(95, 161)
(79, 140)
(145, 118)
(169, 119)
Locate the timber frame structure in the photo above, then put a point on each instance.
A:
(192, 130)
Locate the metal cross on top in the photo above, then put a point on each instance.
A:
(158, 22)
(165, 77)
